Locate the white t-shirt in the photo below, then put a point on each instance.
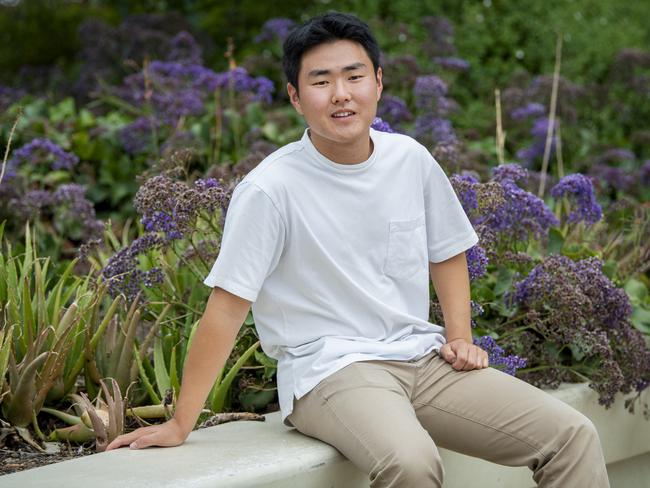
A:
(335, 257)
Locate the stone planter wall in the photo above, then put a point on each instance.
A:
(267, 454)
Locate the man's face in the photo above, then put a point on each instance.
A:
(338, 92)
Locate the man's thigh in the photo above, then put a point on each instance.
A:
(364, 411)
(489, 414)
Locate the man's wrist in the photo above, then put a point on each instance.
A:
(469, 341)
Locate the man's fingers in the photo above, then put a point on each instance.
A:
(461, 359)
(127, 439)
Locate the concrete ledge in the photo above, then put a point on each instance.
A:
(267, 454)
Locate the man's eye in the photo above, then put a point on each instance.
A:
(320, 83)
(355, 77)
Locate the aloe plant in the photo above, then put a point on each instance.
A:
(42, 339)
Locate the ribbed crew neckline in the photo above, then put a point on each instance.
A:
(341, 168)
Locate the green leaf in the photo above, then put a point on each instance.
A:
(143, 376)
(555, 241)
(641, 319)
(162, 377)
(220, 396)
(504, 280)
(85, 118)
(64, 110)
(636, 290)
(249, 319)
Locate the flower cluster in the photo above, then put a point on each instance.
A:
(508, 364)
(431, 95)
(180, 89)
(172, 207)
(580, 190)
(32, 204)
(275, 28)
(434, 130)
(393, 110)
(440, 36)
(138, 37)
(72, 214)
(452, 63)
(122, 272)
(135, 136)
(184, 49)
(530, 110)
(589, 319)
(42, 150)
(76, 211)
(612, 178)
(380, 125)
(477, 262)
(536, 149)
(523, 214)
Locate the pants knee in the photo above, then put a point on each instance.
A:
(409, 468)
(582, 431)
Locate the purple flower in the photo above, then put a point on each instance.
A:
(42, 150)
(275, 28)
(581, 191)
(428, 89)
(136, 137)
(122, 273)
(536, 149)
(77, 212)
(644, 174)
(616, 155)
(511, 171)
(434, 129)
(184, 49)
(32, 204)
(508, 364)
(613, 177)
(241, 81)
(587, 296)
(465, 187)
(393, 109)
(171, 207)
(522, 215)
(181, 89)
(381, 126)
(440, 38)
(529, 111)
(456, 64)
(477, 262)
(574, 306)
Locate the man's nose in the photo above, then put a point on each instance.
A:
(341, 93)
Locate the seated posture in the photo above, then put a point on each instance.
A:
(332, 239)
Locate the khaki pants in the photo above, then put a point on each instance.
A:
(389, 418)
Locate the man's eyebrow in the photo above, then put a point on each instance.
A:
(322, 72)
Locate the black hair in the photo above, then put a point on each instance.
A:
(324, 28)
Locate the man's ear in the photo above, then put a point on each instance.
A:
(294, 98)
(380, 85)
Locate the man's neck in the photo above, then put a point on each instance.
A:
(343, 154)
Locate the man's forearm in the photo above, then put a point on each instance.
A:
(450, 280)
(211, 346)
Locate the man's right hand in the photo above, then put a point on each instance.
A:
(168, 434)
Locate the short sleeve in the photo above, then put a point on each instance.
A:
(449, 231)
(252, 243)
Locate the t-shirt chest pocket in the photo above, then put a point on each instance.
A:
(407, 248)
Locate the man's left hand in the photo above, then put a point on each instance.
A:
(464, 356)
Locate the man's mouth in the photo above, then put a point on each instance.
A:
(342, 114)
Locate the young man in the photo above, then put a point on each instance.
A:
(332, 239)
